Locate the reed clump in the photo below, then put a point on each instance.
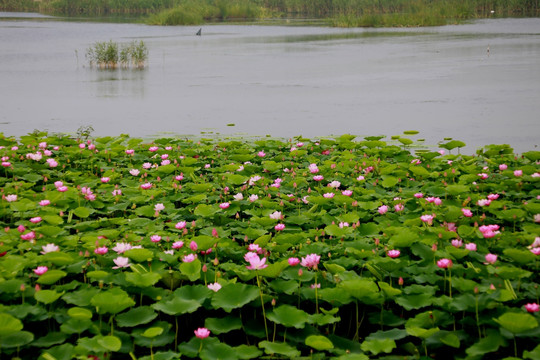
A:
(110, 55)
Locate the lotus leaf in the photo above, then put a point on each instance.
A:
(279, 348)
(111, 301)
(233, 296)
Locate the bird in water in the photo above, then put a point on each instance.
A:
(199, 32)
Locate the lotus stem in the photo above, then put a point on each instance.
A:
(262, 305)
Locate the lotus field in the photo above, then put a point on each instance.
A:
(225, 248)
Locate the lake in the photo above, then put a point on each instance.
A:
(477, 82)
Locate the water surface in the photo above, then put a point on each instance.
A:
(278, 80)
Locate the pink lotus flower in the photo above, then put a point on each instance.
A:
(147, 165)
(44, 202)
(214, 287)
(224, 205)
(21, 228)
(493, 197)
(518, 173)
(159, 207)
(202, 333)
(255, 263)
(122, 247)
(155, 238)
(503, 167)
(121, 262)
(101, 250)
(313, 168)
(105, 179)
(532, 307)
(536, 250)
(293, 261)
(483, 176)
(153, 148)
(36, 220)
(416, 161)
(457, 243)
(251, 198)
(276, 215)
(318, 178)
(179, 177)
(62, 188)
(393, 253)
(49, 248)
(193, 246)
(255, 248)
(427, 218)
(484, 202)
(343, 224)
(279, 227)
(491, 258)
(347, 192)
(418, 195)
(334, 184)
(82, 145)
(329, 195)
(116, 192)
(146, 186)
(444, 263)
(134, 172)
(360, 178)
(40, 270)
(189, 258)
(52, 163)
(399, 207)
(310, 261)
(470, 246)
(130, 151)
(29, 236)
(382, 209)
(180, 225)
(177, 244)
(11, 198)
(536, 218)
(238, 197)
(467, 212)
(261, 154)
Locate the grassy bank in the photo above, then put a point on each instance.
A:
(344, 13)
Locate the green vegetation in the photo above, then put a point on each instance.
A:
(332, 248)
(343, 13)
(108, 55)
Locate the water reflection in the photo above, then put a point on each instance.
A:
(111, 83)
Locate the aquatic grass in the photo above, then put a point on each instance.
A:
(132, 271)
(108, 55)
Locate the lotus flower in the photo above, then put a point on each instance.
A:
(202, 333)
(121, 262)
(310, 261)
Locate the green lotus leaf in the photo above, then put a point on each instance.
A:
(204, 242)
(51, 276)
(16, 339)
(274, 270)
(236, 179)
(457, 189)
(47, 296)
(140, 255)
(176, 306)
(323, 319)
(143, 280)
(111, 343)
(161, 355)
(75, 326)
(415, 301)
(217, 351)
(50, 339)
(388, 290)
(279, 348)
(319, 342)
(146, 211)
(166, 337)
(49, 231)
(421, 332)
(53, 219)
(234, 296)
(223, 325)
(362, 289)
(198, 293)
(80, 297)
(456, 253)
(112, 301)
(288, 316)
(450, 339)
(82, 212)
(377, 346)
(136, 316)
(517, 323)
(9, 324)
(152, 332)
(520, 256)
(59, 258)
(247, 352)
(98, 275)
(534, 354)
(491, 343)
(284, 286)
(191, 269)
(404, 238)
(11, 286)
(23, 205)
(79, 313)
(394, 334)
(335, 230)
(389, 181)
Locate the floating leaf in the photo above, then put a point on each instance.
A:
(517, 323)
(112, 301)
(9, 324)
(223, 325)
(233, 296)
(143, 280)
(47, 296)
(16, 339)
(51, 276)
(319, 342)
(191, 269)
(176, 306)
(288, 316)
(377, 346)
(79, 313)
(136, 316)
(111, 343)
(279, 348)
(139, 255)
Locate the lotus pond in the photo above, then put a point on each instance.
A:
(343, 247)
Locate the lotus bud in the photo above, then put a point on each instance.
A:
(400, 281)
(300, 272)
(216, 261)
(37, 288)
(204, 268)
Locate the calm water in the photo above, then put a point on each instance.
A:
(277, 80)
